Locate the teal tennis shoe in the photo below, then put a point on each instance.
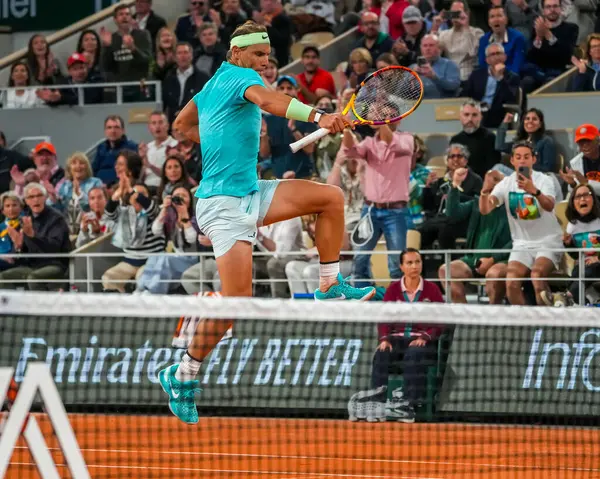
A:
(344, 291)
(181, 395)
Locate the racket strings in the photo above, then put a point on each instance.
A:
(388, 95)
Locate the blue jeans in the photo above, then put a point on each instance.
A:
(393, 225)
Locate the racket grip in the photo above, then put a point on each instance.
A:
(308, 139)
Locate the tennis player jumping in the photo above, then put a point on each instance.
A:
(232, 202)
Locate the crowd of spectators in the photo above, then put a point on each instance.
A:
(492, 193)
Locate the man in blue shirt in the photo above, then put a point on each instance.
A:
(275, 145)
(226, 114)
(440, 76)
(512, 40)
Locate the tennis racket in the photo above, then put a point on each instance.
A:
(385, 96)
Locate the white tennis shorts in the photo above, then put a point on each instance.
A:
(227, 219)
(528, 255)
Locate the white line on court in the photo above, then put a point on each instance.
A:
(303, 475)
(329, 458)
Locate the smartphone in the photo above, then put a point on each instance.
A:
(525, 171)
(421, 61)
(455, 15)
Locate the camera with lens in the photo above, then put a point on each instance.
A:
(177, 200)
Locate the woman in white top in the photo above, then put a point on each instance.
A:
(583, 231)
(18, 96)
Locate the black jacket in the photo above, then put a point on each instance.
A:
(91, 96)
(153, 25)
(172, 89)
(507, 91)
(8, 159)
(218, 54)
(557, 56)
(434, 197)
(51, 236)
(280, 35)
(482, 149)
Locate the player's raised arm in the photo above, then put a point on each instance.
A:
(186, 122)
(280, 104)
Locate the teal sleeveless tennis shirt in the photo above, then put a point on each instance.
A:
(229, 133)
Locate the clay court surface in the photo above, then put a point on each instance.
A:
(161, 447)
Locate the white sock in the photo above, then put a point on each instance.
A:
(188, 368)
(329, 270)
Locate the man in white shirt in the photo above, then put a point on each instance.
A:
(154, 153)
(529, 199)
(278, 238)
(461, 42)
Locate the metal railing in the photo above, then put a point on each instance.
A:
(153, 89)
(21, 144)
(448, 256)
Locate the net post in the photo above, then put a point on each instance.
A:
(580, 259)
(447, 276)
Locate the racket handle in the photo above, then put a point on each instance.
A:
(308, 139)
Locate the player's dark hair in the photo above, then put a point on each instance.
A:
(571, 212)
(406, 251)
(249, 26)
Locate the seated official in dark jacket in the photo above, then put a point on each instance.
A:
(493, 85)
(44, 232)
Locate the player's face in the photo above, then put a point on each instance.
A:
(412, 265)
(522, 156)
(254, 56)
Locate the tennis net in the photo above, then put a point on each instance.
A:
(465, 392)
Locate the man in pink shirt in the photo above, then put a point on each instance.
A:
(387, 157)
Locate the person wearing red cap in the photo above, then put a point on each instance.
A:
(585, 167)
(49, 173)
(79, 74)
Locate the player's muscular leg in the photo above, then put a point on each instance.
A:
(235, 271)
(301, 197)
